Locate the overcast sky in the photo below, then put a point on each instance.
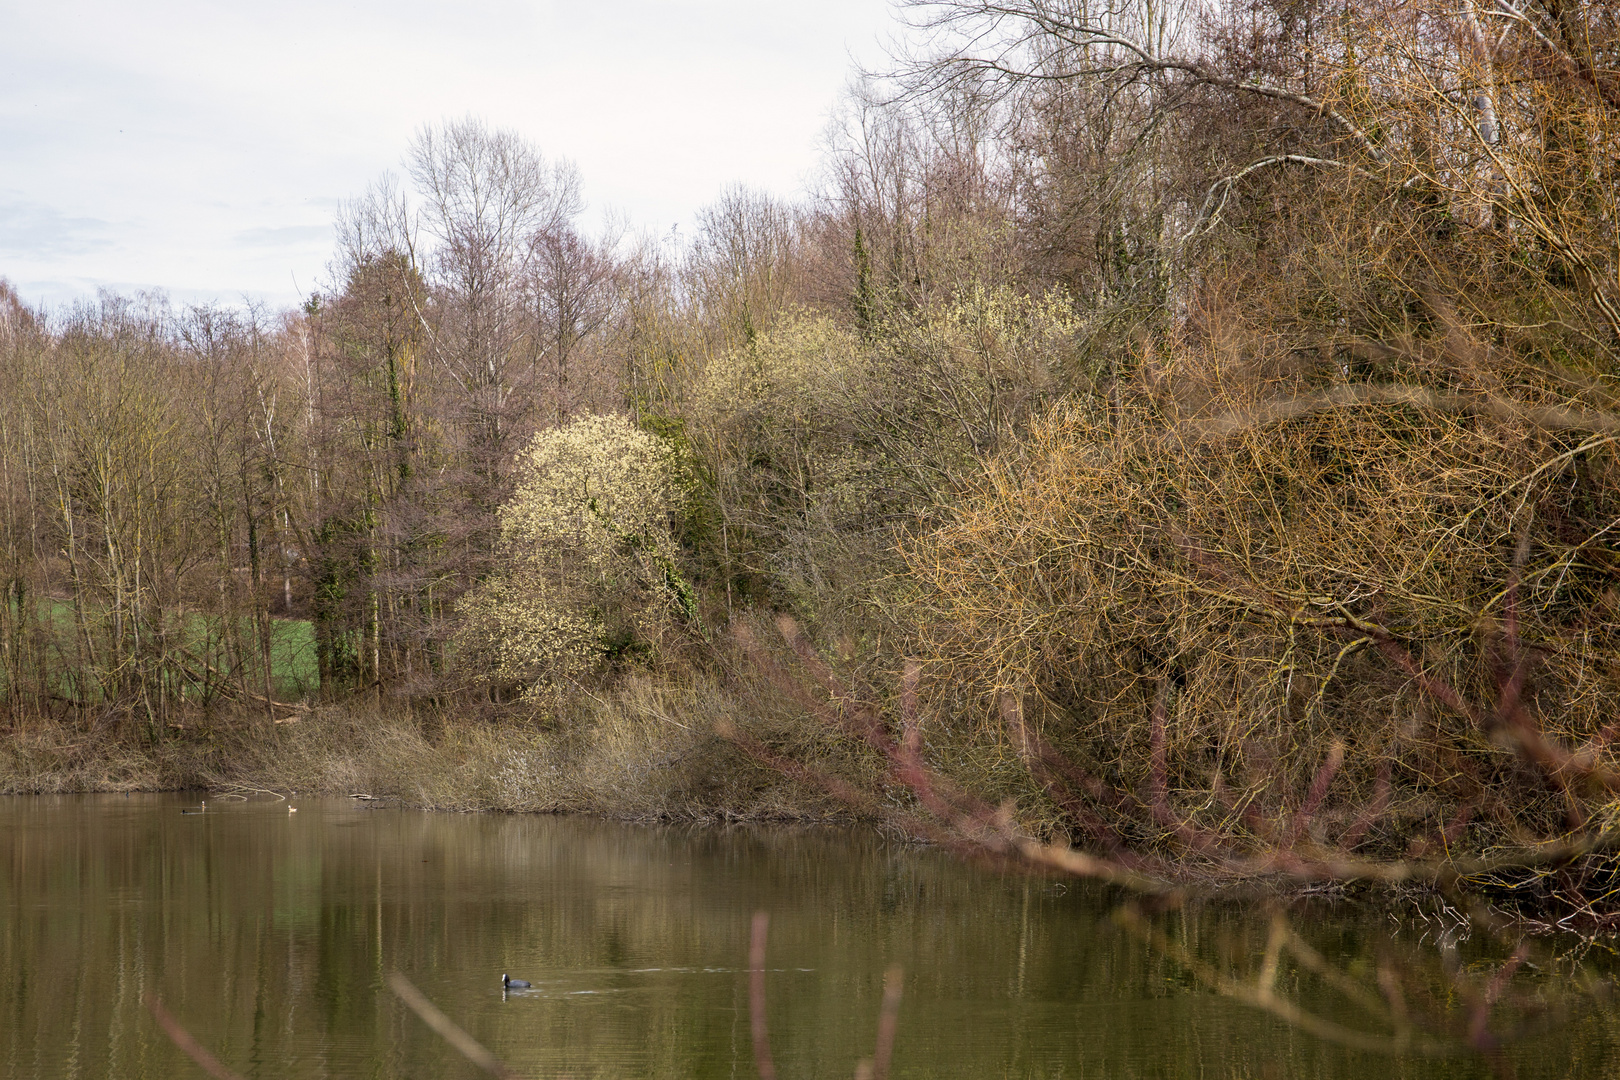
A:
(202, 146)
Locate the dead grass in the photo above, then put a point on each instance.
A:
(646, 749)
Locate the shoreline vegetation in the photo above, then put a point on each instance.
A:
(629, 759)
(1176, 449)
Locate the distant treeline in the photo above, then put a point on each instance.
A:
(1212, 392)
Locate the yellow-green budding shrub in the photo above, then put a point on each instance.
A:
(587, 569)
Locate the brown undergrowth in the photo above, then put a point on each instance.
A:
(1374, 620)
(645, 749)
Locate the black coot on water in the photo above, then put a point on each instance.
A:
(513, 984)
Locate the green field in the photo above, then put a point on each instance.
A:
(294, 672)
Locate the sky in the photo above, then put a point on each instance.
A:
(203, 147)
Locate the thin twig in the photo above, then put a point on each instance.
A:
(469, 1047)
(756, 997)
(888, 1021)
(187, 1044)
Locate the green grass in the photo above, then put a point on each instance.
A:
(294, 672)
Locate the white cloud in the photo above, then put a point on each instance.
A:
(43, 231)
(203, 146)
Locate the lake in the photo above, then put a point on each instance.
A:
(270, 936)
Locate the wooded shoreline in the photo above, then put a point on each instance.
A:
(1167, 446)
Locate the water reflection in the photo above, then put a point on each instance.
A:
(270, 935)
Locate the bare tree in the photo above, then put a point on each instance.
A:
(487, 194)
(571, 289)
(746, 264)
(917, 205)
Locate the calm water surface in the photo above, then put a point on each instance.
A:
(270, 935)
